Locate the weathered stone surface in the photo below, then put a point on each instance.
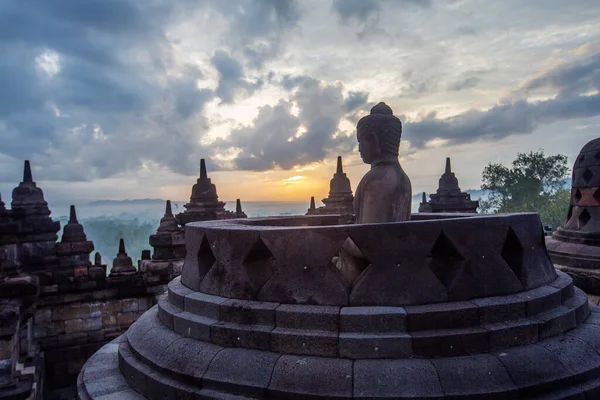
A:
(295, 377)
(392, 379)
(373, 319)
(241, 371)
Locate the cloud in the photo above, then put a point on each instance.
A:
(466, 83)
(569, 79)
(95, 90)
(231, 77)
(278, 138)
(577, 83)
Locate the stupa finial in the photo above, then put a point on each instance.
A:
(238, 206)
(448, 168)
(72, 215)
(121, 247)
(424, 200)
(168, 210)
(340, 169)
(312, 202)
(203, 174)
(27, 177)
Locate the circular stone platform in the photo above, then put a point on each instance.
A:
(441, 307)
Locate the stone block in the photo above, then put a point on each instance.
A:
(450, 342)
(373, 319)
(92, 324)
(375, 345)
(564, 283)
(233, 335)
(556, 321)
(500, 308)
(43, 315)
(241, 371)
(297, 341)
(80, 272)
(125, 318)
(96, 273)
(248, 312)
(113, 306)
(193, 326)
(541, 299)
(74, 325)
(298, 377)
(129, 305)
(533, 369)
(396, 379)
(109, 320)
(145, 303)
(512, 333)
(579, 358)
(320, 318)
(177, 293)
(479, 375)
(188, 357)
(72, 311)
(442, 316)
(204, 305)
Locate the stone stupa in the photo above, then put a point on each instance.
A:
(446, 306)
(37, 232)
(340, 199)
(204, 202)
(122, 264)
(575, 246)
(169, 249)
(449, 198)
(74, 250)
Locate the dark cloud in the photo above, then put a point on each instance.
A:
(355, 100)
(91, 89)
(466, 83)
(279, 139)
(569, 79)
(231, 77)
(364, 10)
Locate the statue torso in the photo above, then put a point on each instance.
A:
(383, 195)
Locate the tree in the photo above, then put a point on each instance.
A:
(535, 183)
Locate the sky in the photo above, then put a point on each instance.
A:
(119, 99)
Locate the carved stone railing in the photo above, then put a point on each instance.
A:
(436, 258)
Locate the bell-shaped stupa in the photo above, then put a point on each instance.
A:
(204, 202)
(73, 251)
(31, 209)
(169, 249)
(340, 199)
(449, 198)
(575, 246)
(122, 264)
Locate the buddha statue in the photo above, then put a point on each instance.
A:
(384, 193)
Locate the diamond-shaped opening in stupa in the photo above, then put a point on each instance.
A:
(349, 262)
(587, 175)
(577, 196)
(206, 258)
(446, 261)
(512, 252)
(584, 218)
(258, 265)
(597, 196)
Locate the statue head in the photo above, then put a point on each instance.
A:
(379, 134)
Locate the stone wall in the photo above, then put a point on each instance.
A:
(70, 327)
